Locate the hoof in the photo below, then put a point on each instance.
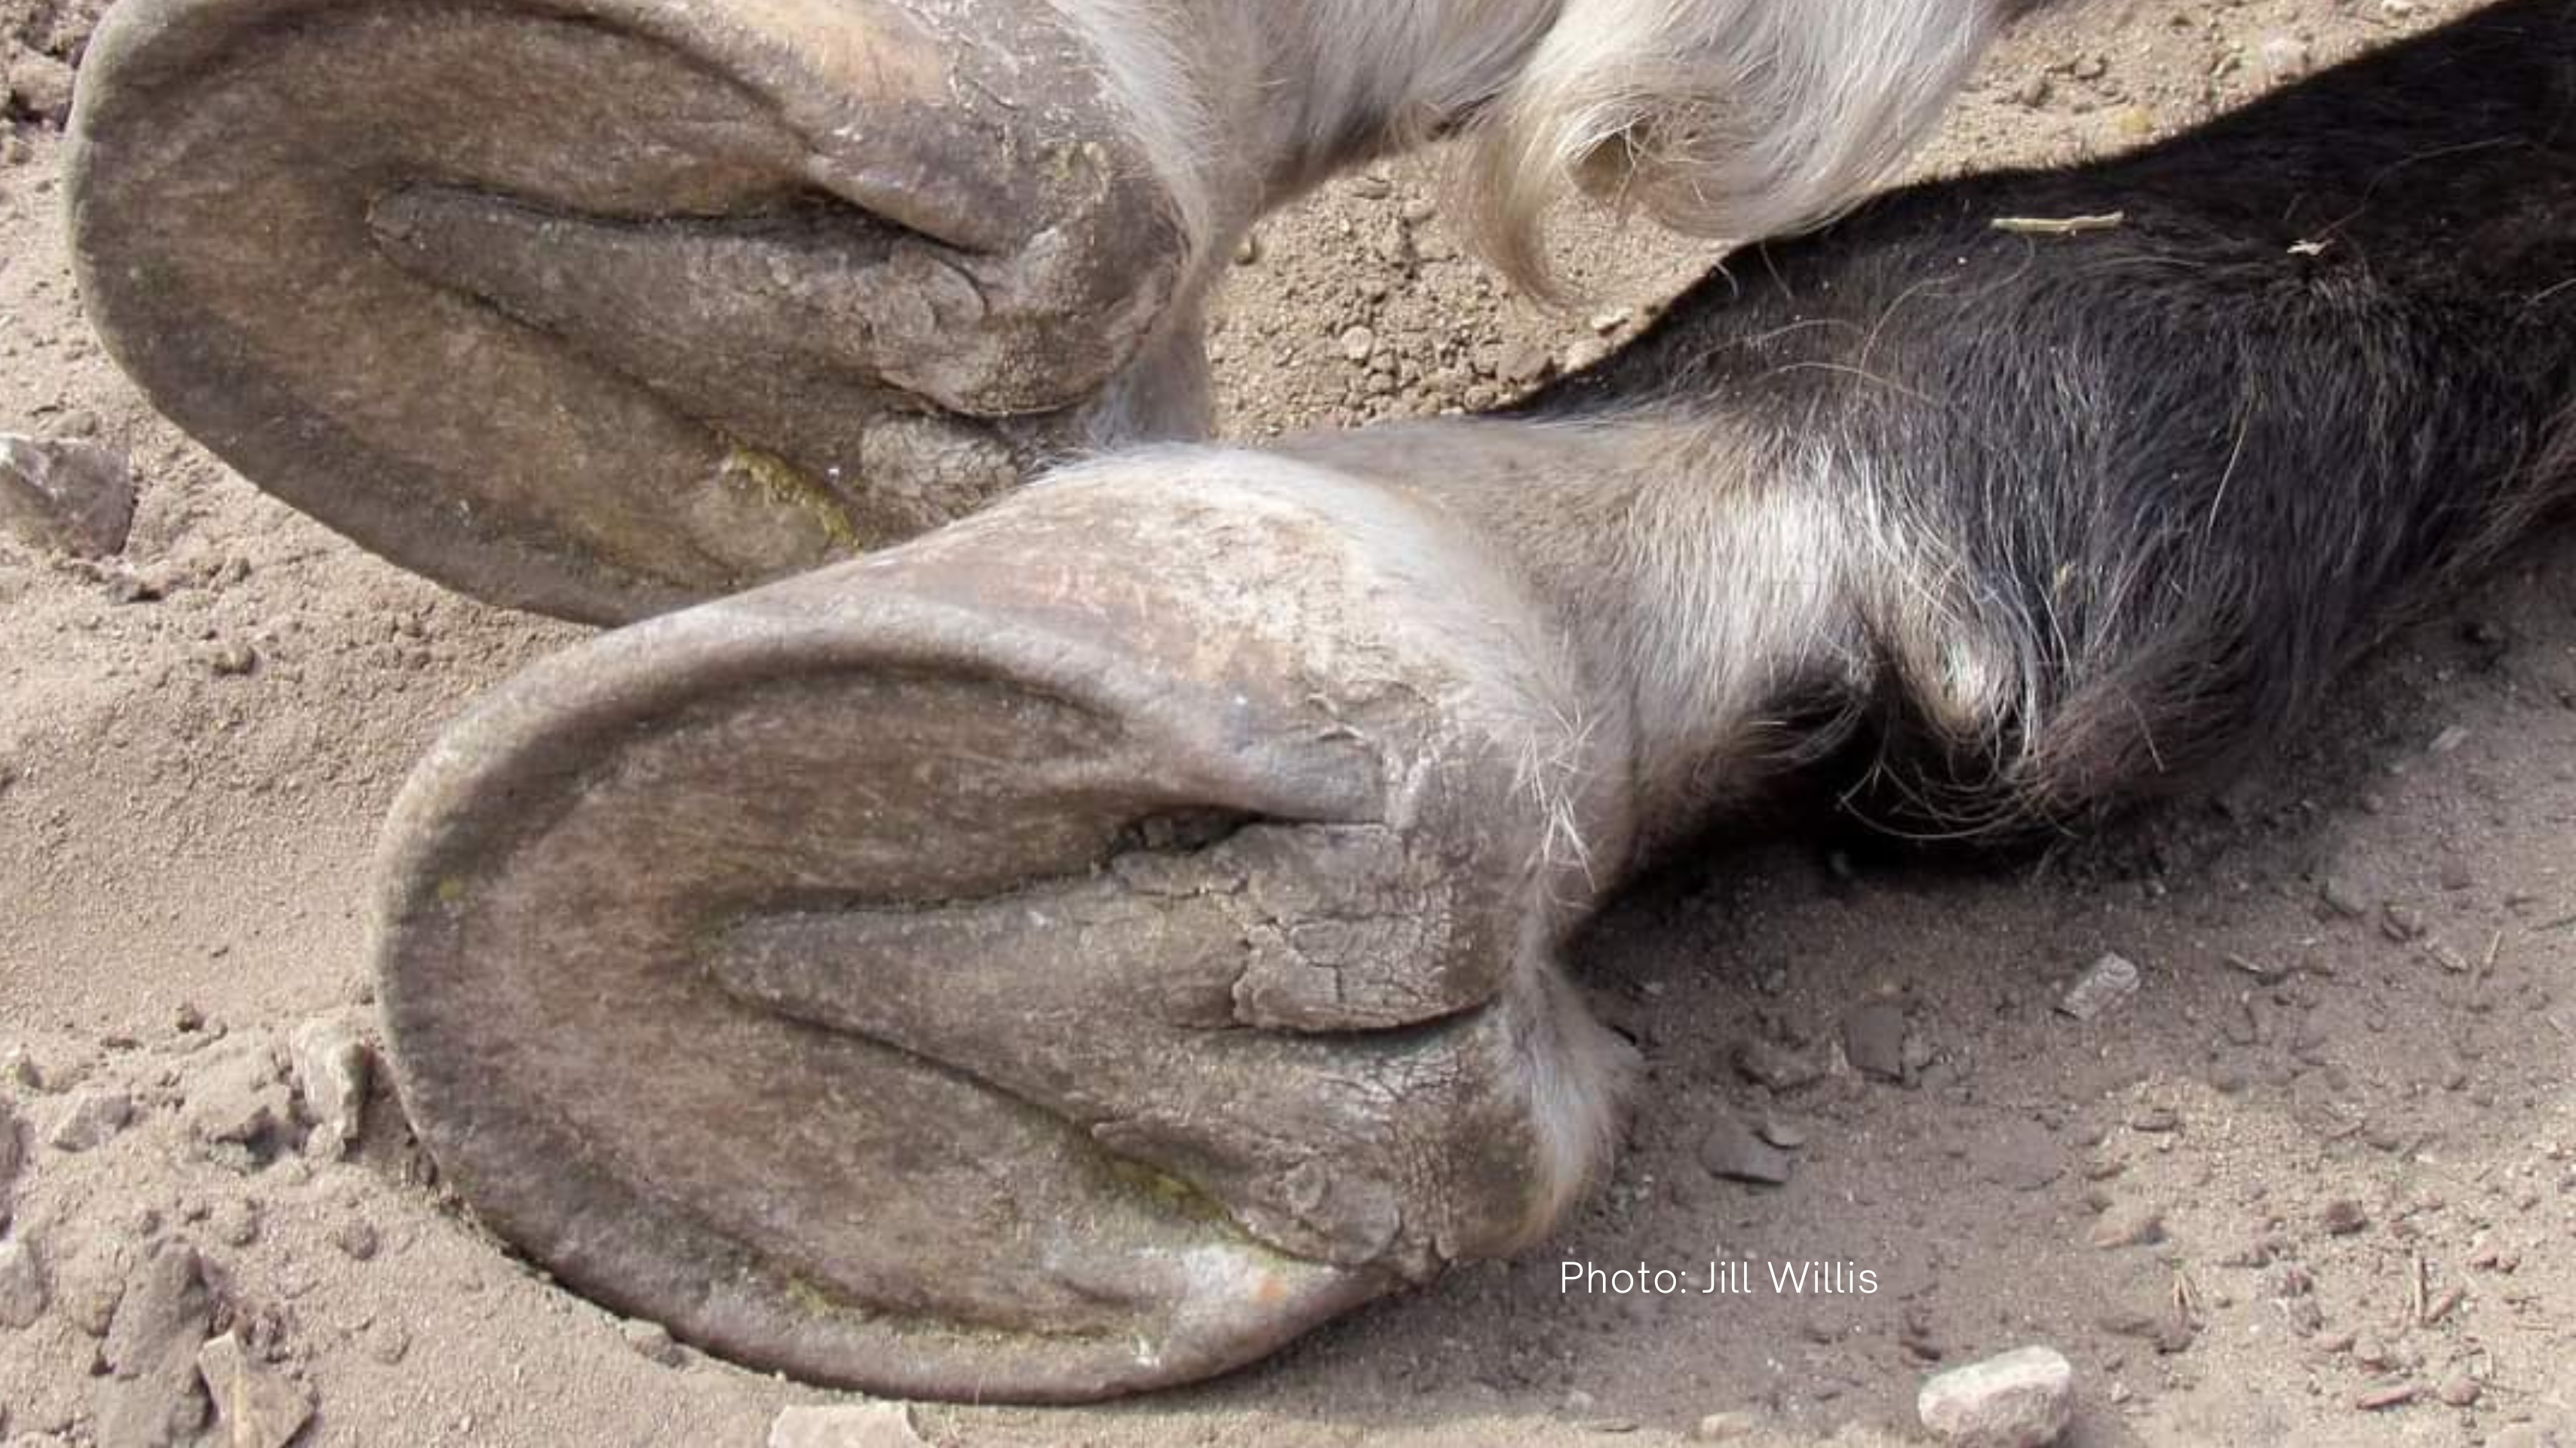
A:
(600, 307)
(1075, 953)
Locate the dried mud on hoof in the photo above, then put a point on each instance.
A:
(993, 970)
(603, 308)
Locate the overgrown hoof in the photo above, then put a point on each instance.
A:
(599, 307)
(1074, 953)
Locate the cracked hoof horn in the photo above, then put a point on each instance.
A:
(1011, 967)
(600, 307)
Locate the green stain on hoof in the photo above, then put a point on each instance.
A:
(783, 486)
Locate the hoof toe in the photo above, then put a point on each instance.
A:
(976, 973)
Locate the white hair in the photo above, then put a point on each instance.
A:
(1722, 118)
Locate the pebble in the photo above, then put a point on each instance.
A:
(2342, 1217)
(13, 1155)
(2385, 1395)
(331, 1071)
(2401, 923)
(42, 85)
(2342, 898)
(2155, 1120)
(2128, 1224)
(68, 497)
(2459, 1390)
(2104, 984)
(2287, 57)
(1358, 343)
(151, 1393)
(22, 1284)
(1524, 362)
(853, 1425)
(355, 1236)
(91, 1119)
(1786, 1135)
(241, 1098)
(2023, 1399)
(1732, 1150)
(19, 1065)
(255, 1407)
(1724, 1428)
(1766, 1063)
(1874, 1040)
(651, 1341)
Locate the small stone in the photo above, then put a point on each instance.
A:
(1733, 1151)
(2033, 93)
(2155, 1120)
(90, 1119)
(1874, 1040)
(242, 1098)
(2091, 67)
(1768, 1064)
(2449, 740)
(42, 86)
(2287, 57)
(1524, 362)
(2370, 1352)
(1247, 249)
(387, 1343)
(2385, 1395)
(1724, 1428)
(2342, 898)
(331, 1071)
(854, 1425)
(651, 1341)
(2459, 1390)
(2104, 984)
(232, 660)
(1358, 343)
(2401, 923)
(2128, 1224)
(69, 497)
(255, 1407)
(13, 1155)
(2023, 1399)
(151, 1393)
(2342, 1217)
(19, 1066)
(355, 1236)
(1786, 1135)
(22, 1284)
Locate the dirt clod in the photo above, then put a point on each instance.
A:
(1735, 1152)
(90, 1118)
(255, 1406)
(70, 497)
(23, 1293)
(2105, 983)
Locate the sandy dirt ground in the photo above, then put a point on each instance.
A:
(2332, 1137)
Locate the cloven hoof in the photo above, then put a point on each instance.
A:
(1073, 953)
(601, 307)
